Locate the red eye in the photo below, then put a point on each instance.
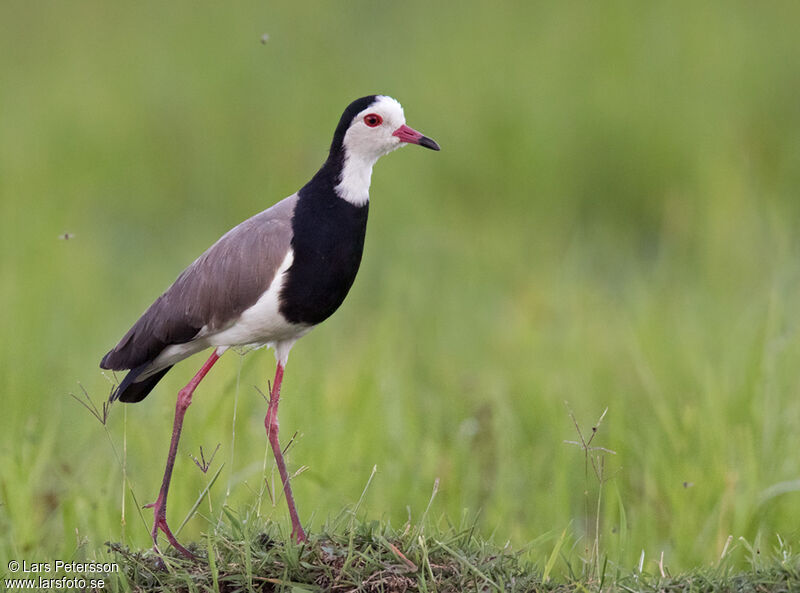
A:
(373, 119)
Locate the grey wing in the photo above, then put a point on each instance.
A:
(214, 290)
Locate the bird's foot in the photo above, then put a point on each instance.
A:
(160, 523)
(298, 534)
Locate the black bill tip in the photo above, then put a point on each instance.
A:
(428, 143)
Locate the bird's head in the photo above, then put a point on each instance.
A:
(370, 127)
(374, 126)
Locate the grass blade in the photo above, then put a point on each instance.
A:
(199, 500)
(551, 560)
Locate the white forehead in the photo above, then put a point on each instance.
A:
(388, 108)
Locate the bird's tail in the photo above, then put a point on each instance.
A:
(131, 390)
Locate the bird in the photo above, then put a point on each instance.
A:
(266, 282)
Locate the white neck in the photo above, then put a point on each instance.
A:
(356, 176)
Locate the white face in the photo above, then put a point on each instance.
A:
(370, 134)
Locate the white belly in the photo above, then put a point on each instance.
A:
(259, 325)
(262, 323)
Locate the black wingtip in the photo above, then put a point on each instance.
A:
(131, 391)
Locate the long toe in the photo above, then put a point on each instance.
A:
(161, 523)
(298, 534)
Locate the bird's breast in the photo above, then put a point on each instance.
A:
(327, 244)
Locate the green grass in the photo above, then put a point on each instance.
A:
(241, 553)
(612, 222)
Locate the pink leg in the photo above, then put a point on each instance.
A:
(160, 505)
(271, 423)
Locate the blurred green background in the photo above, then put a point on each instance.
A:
(612, 222)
